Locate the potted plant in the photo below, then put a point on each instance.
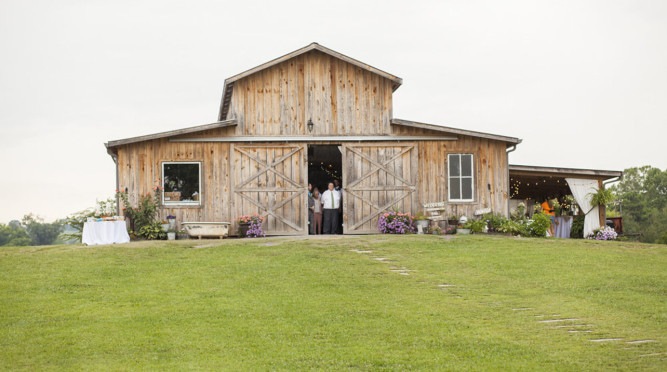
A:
(171, 234)
(172, 222)
(395, 223)
(182, 235)
(250, 226)
(421, 220)
(601, 197)
(453, 221)
(165, 225)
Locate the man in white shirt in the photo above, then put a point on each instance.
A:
(330, 203)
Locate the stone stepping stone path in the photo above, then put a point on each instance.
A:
(358, 251)
(446, 285)
(640, 341)
(580, 331)
(558, 320)
(605, 339)
(573, 325)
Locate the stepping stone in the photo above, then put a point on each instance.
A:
(573, 325)
(401, 270)
(640, 341)
(522, 308)
(446, 285)
(358, 251)
(381, 258)
(557, 320)
(403, 274)
(652, 354)
(542, 316)
(605, 339)
(579, 331)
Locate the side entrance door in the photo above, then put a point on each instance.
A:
(376, 179)
(270, 180)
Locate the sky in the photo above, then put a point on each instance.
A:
(582, 83)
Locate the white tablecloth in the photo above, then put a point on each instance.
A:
(104, 232)
(564, 224)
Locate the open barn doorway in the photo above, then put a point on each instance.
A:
(325, 164)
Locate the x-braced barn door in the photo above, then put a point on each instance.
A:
(271, 180)
(377, 178)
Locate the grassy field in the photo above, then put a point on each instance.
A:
(467, 303)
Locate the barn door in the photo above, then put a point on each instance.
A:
(271, 180)
(377, 178)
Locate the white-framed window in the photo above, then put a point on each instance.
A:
(461, 182)
(182, 183)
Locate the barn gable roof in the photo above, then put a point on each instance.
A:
(171, 133)
(464, 132)
(229, 83)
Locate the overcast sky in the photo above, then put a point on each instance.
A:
(583, 83)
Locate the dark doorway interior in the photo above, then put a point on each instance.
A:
(325, 164)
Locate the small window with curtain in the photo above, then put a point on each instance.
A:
(182, 183)
(460, 177)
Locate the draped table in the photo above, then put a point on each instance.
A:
(104, 232)
(563, 226)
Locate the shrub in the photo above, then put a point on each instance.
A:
(577, 229)
(395, 223)
(145, 213)
(513, 227)
(494, 221)
(540, 225)
(475, 226)
(152, 231)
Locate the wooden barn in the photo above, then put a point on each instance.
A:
(310, 116)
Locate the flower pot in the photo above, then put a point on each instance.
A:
(172, 223)
(463, 231)
(423, 224)
(171, 236)
(182, 236)
(243, 229)
(165, 227)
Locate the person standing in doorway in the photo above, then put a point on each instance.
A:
(317, 212)
(339, 228)
(330, 203)
(311, 208)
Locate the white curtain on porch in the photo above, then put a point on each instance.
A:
(580, 189)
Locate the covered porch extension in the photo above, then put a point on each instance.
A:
(534, 184)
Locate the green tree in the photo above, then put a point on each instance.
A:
(13, 235)
(40, 232)
(643, 196)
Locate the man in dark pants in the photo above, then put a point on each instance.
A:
(330, 203)
(337, 188)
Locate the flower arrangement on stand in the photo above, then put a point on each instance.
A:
(172, 222)
(250, 226)
(603, 233)
(396, 223)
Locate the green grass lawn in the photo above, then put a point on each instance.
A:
(469, 303)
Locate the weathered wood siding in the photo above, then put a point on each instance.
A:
(271, 180)
(491, 183)
(140, 171)
(340, 98)
(377, 177)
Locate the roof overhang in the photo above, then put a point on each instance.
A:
(171, 133)
(539, 183)
(531, 170)
(510, 141)
(229, 83)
